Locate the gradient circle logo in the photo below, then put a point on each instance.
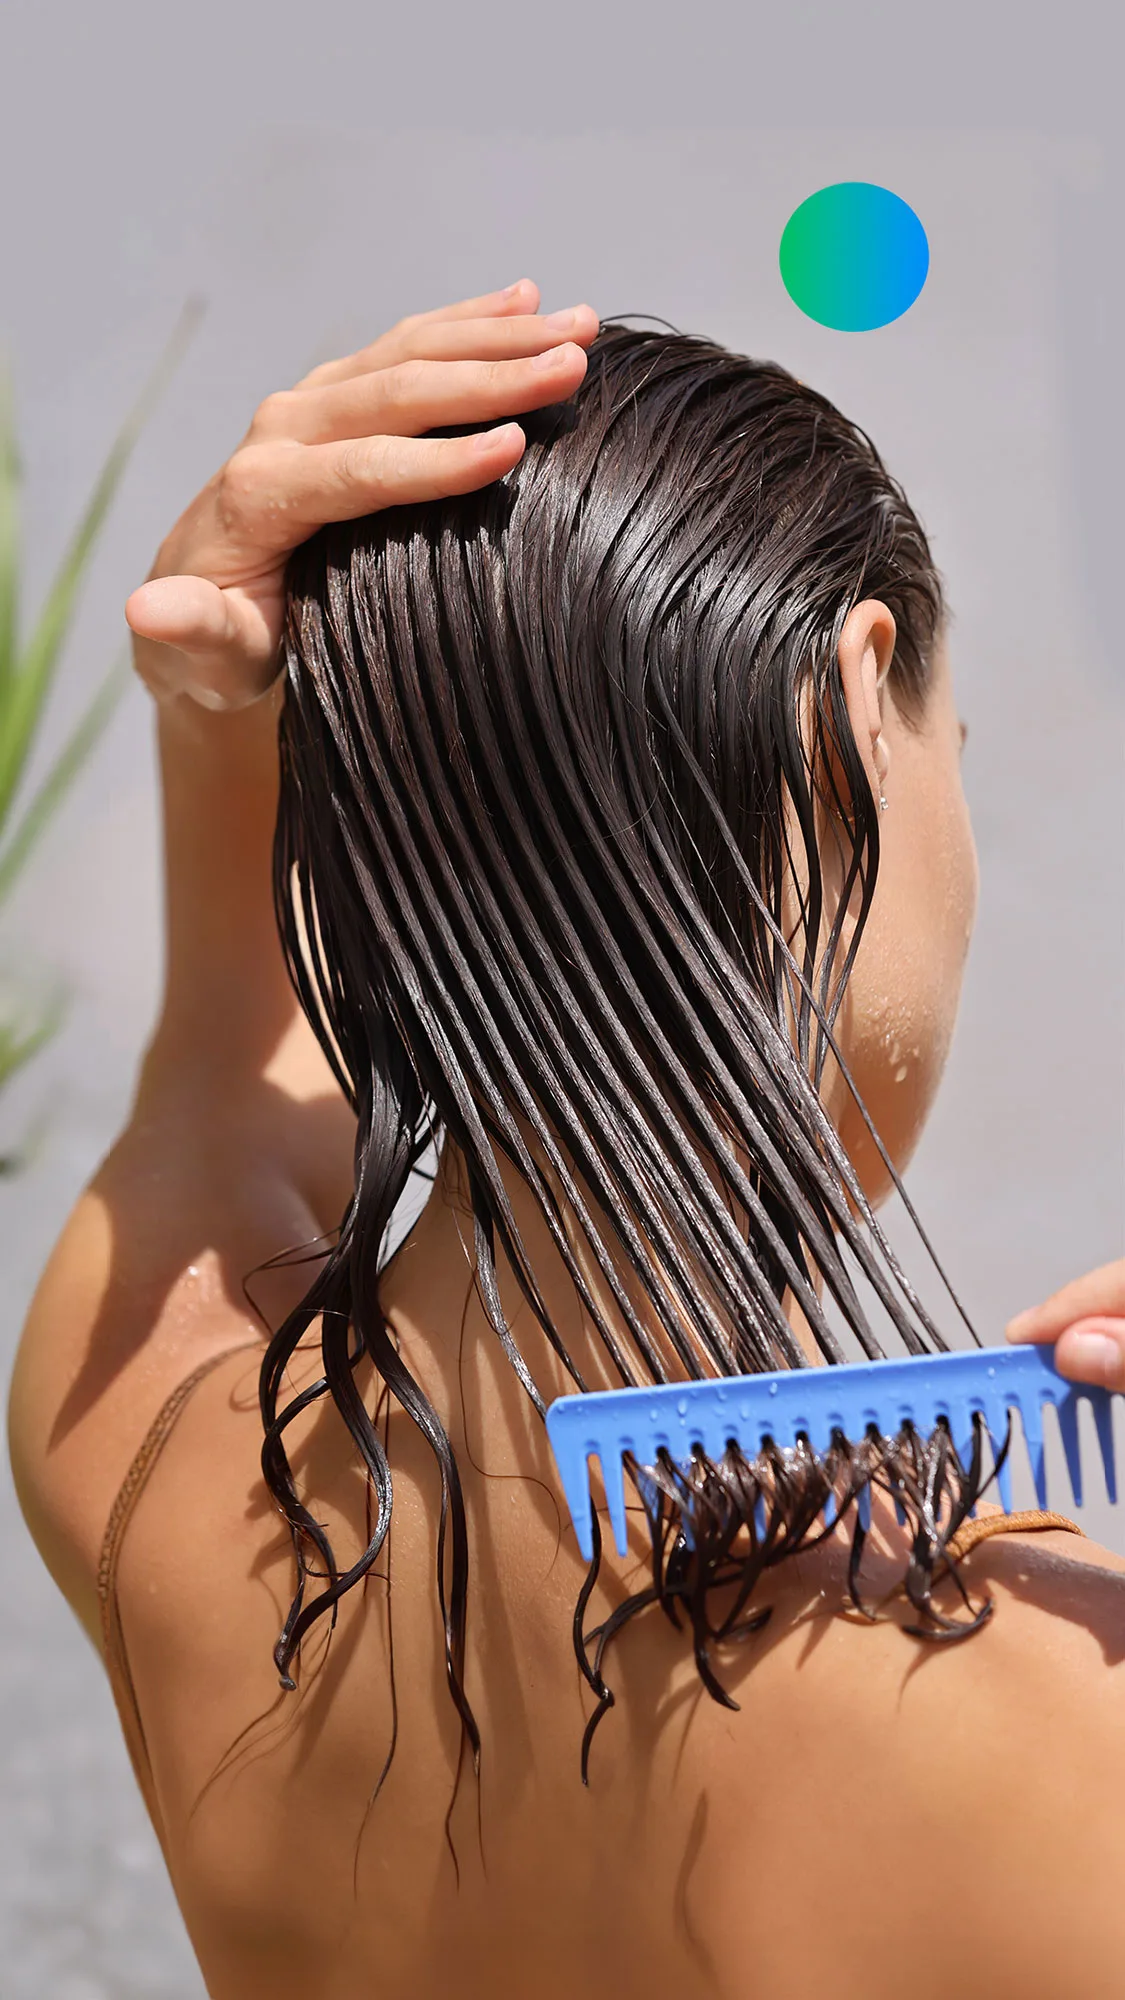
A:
(854, 256)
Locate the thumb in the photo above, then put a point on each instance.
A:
(193, 638)
(1093, 1350)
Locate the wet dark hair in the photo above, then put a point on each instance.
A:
(553, 757)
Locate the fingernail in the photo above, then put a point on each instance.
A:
(1095, 1354)
(561, 322)
(549, 357)
(509, 291)
(501, 434)
(1016, 1328)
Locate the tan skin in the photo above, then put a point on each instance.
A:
(879, 1816)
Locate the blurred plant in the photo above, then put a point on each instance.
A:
(27, 675)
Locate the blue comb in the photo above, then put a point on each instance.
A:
(815, 1402)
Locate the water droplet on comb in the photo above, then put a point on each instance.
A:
(773, 1388)
(681, 1406)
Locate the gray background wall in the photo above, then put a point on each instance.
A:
(315, 173)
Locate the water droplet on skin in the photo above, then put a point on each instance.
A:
(901, 1073)
(193, 1270)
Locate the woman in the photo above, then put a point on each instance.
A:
(473, 674)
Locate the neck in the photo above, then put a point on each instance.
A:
(429, 1294)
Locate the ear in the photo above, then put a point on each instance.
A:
(867, 645)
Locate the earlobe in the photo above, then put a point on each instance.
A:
(880, 756)
(866, 649)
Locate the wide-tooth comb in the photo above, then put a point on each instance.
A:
(815, 1402)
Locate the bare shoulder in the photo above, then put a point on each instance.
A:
(145, 1283)
(982, 1778)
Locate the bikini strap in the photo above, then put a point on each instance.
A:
(1033, 1521)
(113, 1639)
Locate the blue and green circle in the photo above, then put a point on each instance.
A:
(854, 256)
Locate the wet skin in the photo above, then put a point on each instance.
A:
(877, 1811)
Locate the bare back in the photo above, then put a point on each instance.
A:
(878, 1815)
(877, 1807)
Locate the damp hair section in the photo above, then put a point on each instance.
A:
(553, 756)
(717, 1527)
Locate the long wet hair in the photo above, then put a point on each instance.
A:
(555, 760)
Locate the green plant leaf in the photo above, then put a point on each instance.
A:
(17, 1048)
(9, 531)
(30, 1147)
(29, 685)
(45, 802)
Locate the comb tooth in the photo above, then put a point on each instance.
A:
(830, 1510)
(573, 1447)
(783, 1431)
(1068, 1424)
(1033, 1437)
(1004, 1484)
(863, 1508)
(925, 1414)
(998, 1419)
(821, 1424)
(647, 1489)
(761, 1518)
(976, 1406)
(995, 1417)
(649, 1437)
(965, 1449)
(900, 1512)
(715, 1431)
(1103, 1418)
(613, 1478)
(574, 1471)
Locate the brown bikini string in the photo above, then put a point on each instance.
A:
(1032, 1521)
(129, 1492)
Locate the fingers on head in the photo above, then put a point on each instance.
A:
(495, 337)
(415, 396)
(513, 302)
(271, 495)
(341, 482)
(499, 339)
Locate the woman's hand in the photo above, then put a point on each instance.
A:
(1086, 1320)
(345, 441)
